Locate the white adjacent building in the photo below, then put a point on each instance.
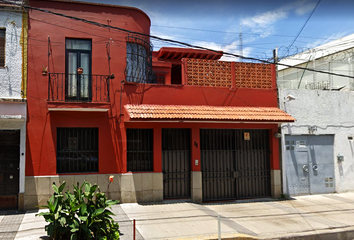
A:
(13, 75)
(318, 148)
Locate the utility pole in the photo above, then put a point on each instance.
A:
(275, 55)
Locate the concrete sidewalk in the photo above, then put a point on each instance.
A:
(329, 216)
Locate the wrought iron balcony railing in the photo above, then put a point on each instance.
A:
(64, 87)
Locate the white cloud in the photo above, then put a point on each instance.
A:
(332, 37)
(304, 6)
(246, 53)
(263, 24)
(230, 48)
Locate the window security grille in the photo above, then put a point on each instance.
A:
(2, 47)
(139, 60)
(77, 150)
(140, 150)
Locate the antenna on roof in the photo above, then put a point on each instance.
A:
(241, 45)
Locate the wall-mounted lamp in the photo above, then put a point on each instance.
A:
(277, 135)
(195, 144)
(289, 98)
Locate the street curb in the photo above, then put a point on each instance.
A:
(326, 234)
(236, 236)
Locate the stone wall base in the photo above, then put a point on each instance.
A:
(127, 187)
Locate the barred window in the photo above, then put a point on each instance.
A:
(140, 150)
(136, 63)
(139, 60)
(2, 47)
(77, 150)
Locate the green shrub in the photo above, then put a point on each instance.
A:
(80, 215)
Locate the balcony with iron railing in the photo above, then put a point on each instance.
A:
(84, 88)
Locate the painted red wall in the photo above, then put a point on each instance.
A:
(195, 137)
(42, 123)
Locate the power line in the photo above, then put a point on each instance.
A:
(177, 36)
(172, 41)
(304, 24)
(230, 32)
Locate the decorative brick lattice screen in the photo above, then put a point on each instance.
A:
(219, 74)
(208, 73)
(253, 75)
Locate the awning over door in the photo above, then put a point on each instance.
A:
(211, 113)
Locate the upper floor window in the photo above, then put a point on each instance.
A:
(2, 47)
(78, 70)
(139, 63)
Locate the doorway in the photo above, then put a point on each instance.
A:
(9, 168)
(176, 163)
(309, 164)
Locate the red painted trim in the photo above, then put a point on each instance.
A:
(195, 149)
(274, 149)
(274, 77)
(184, 74)
(179, 53)
(233, 76)
(92, 5)
(157, 150)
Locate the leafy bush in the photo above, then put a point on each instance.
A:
(82, 214)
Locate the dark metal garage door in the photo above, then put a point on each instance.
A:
(9, 168)
(235, 163)
(176, 164)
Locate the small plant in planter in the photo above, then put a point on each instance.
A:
(80, 215)
(44, 71)
(80, 70)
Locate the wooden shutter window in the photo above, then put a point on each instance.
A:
(2, 47)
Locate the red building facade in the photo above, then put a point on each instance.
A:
(176, 123)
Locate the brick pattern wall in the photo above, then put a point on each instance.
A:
(208, 73)
(219, 74)
(253, 75)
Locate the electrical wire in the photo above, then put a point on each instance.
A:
(171, 40)
(305, 24)
(236, 33)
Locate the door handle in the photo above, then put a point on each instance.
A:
(315, 167)
(305, 168)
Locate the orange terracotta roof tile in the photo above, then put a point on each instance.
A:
(193, 112)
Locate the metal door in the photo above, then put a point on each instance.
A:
(309, 163)
(176, 163)
(217, 158)
(9, 168)
(252, 164)
(235, 163)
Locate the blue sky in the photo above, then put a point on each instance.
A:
(264, 24)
